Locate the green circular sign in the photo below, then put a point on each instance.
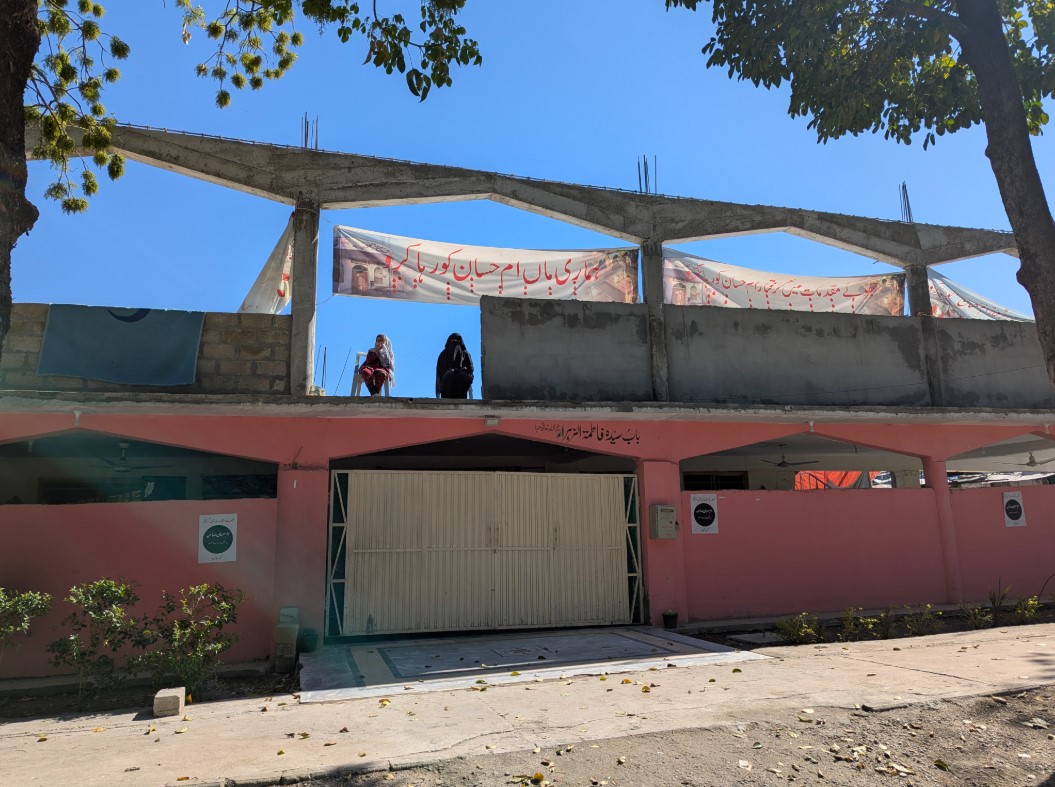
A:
(217, 539)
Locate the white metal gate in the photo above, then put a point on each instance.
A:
(448, 551)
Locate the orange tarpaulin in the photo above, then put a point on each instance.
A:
(834, 479)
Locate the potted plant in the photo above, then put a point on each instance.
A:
(670, 619)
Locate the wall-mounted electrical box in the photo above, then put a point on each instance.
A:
(663, 522)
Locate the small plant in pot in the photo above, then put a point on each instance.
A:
(670, 618)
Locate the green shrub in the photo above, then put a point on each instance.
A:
(17, 610)
(919, 620)
(885, 624)
(977, 616)
(187, 635)
(102, 633)
(997, 599)
(854, 626)
(1026, 609)
(802, 629)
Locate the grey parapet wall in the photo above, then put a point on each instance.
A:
(992, 363)
(238, 354)
(793, 358)
(564, 350)
(593, 352)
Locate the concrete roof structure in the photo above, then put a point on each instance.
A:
(344, 180)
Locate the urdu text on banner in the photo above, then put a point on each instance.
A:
(694, 281)
(376, 265)
(949, 299)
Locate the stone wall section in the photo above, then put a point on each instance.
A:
(238, 354)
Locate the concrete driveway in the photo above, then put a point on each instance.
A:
(349, 671)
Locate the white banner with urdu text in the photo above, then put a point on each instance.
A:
(949, 299)
(375, 265)
(694, 281)
(272, 289)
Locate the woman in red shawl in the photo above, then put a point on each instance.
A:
(379, 366)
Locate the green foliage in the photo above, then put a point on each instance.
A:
(17, 610)
(102, 631)
(920, 620)
(880, 65)
(250, 42)
(997, 599)
(977, 616)
(1026, 609)
(802, 629)
(854, 627)
(63, 97)
(885, 624)
(187, 635)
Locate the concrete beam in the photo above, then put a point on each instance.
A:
(340, 180)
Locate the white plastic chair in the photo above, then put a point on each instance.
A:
(357, 381)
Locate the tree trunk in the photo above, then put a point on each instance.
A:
(18, 32)
(1010, 153)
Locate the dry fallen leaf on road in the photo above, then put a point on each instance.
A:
(536, 750)
(343, 729)
(183, 778)
(514, 673)
(546, 763)
(180, 731)
(304, 735)
(941, 765)
(150, 729)
(385, 702)
(645, 689)
(330, 743)
(99, 729)
(756, 745)
(737, 669)
(621, 760)
(281, 751)
(626, 680)
(389, 777)
(489, 746)
(744, 765)
(42, 738)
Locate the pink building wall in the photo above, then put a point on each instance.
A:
(992, 553)
(51, 548)
(778, 553)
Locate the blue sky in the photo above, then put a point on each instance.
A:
(572, 91)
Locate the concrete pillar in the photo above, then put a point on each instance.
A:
(918, 289)
(300, 543)
(652, 275)
(919, 307)
(934, 471)
(660, 484)
(305, 276)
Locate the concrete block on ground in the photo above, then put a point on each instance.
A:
(170, 702)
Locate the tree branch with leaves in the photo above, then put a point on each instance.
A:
(59, 61)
